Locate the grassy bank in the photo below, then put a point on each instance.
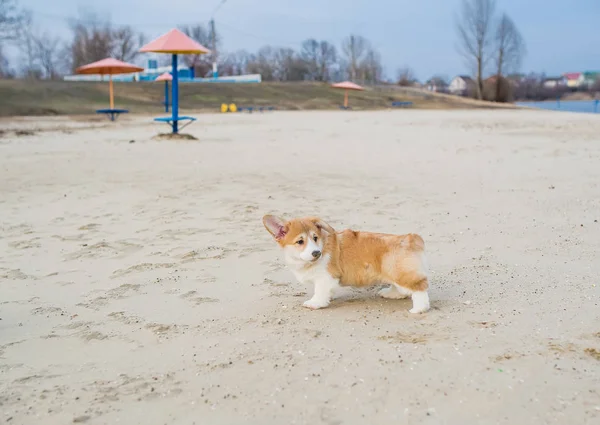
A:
(18, 97)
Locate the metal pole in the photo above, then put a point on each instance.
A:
(167, 96)
(214, 48)
(175, 95)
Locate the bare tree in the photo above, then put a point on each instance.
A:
(126, 43)
(326, 60)
(201, 63)
(48, 51)
(95, 38)
(92, 41)
(354, 48)
(474, 30)
(27, 42)
(289, 66)
(510, 49)
(39, 51)
(319, 58)
(263, 63)
(5, 71)
(10, 20)
(405, 76)
(370, 68)
(310, 56)
(235, 63)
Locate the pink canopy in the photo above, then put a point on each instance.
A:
(164, 77)
(175, 42)
(348, 85)
(108, 67)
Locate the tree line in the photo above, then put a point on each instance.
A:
(44, 56)
(488, 39)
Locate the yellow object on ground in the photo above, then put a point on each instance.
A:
(232, 108)
(223, 107)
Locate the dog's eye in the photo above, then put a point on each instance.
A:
(300, 242)
(315, 238)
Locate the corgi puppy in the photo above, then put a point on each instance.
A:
(316, 253)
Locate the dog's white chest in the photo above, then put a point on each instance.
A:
(317, 272)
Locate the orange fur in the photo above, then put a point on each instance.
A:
(362, 258)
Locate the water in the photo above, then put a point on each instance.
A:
(586, 106)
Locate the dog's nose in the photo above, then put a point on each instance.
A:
(316, 254)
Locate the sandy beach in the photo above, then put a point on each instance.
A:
(139, 286)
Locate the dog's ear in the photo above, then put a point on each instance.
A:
(321, 225)
(275, 226)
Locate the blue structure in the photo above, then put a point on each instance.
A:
(167, 96)
(175, 42)
(581, 106)
(112, 114)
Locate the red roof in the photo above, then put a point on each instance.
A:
(175, 42)
(572, 75)
(108, 66)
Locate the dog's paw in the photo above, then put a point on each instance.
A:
(418, 310)
(315, 304)
(392, 293)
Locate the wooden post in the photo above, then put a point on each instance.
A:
(346, 99)
(112, 96)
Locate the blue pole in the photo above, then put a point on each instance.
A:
(175, 89)
(167, 96)
(596, 106)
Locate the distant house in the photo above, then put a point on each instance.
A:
(437, 84)
(516, 79)
(461, 85)
(574, 79)
(554, 82)
(590, 78)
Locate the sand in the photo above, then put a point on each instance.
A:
(138, 285)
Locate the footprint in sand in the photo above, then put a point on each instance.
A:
(177, 234)
(15, 231)
(121, 292)
(15, 274)
(122, 317)
(191, 295)
(141, 268)
(90, 226)
(25, 244)
(208, 253)
(116, 249)
(47, 311)
(166, 329)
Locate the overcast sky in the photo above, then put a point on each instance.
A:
(561, 36)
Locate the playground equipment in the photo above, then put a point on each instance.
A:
(109, 67)
(175, 43)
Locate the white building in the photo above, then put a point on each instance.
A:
(461, 85)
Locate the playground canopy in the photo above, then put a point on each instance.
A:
(109, 67)
(347, 85)
(175, 43)
(164, 77)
